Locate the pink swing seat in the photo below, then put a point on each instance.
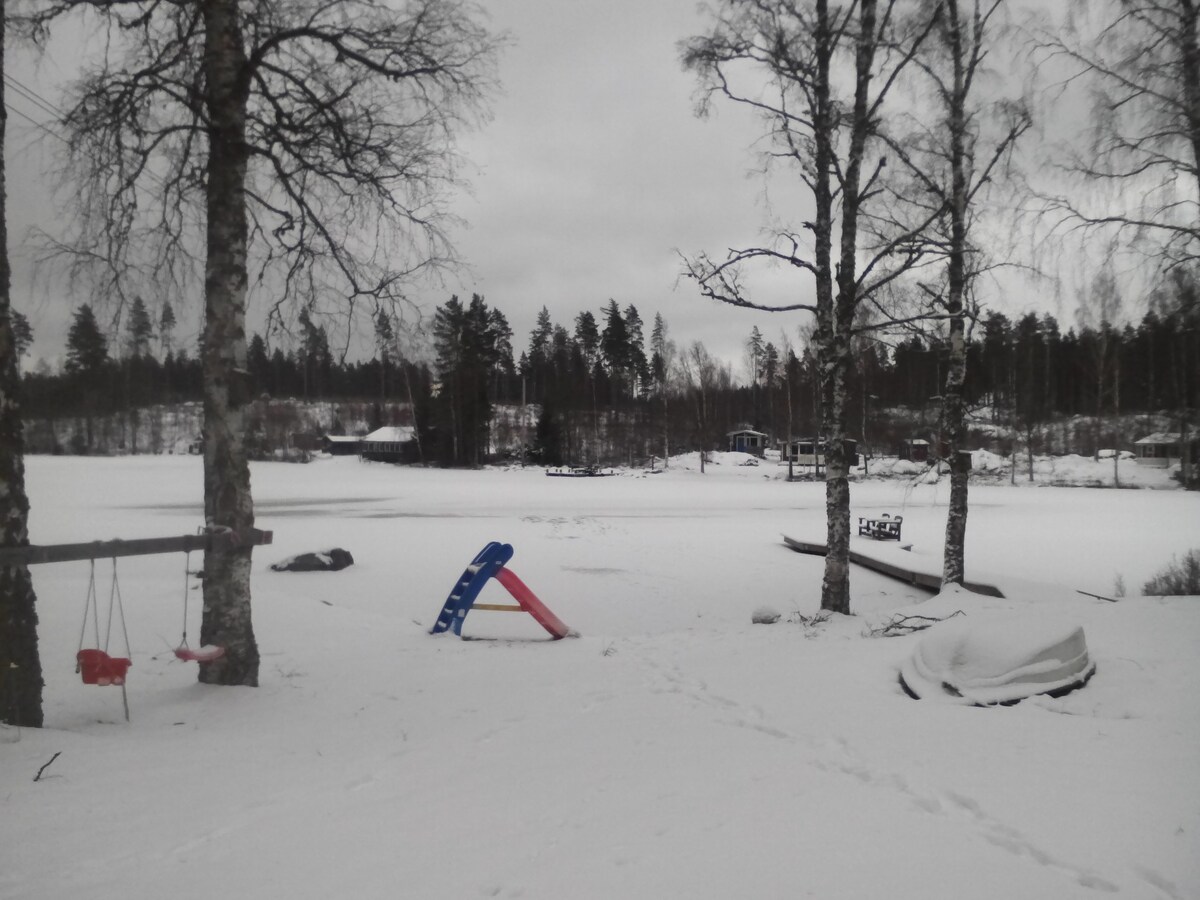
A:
(207, 653)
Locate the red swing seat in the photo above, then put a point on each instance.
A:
(97, 667)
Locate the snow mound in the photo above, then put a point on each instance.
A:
(999, 660)
(987, 461)
(333, 560)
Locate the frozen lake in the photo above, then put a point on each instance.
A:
(672, 750)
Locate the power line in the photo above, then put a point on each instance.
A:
(33, 97)
(152, 175)
(34, 122)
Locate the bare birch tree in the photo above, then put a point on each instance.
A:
(305, 146)
(800, 55)
(953, 157)
(20, 663)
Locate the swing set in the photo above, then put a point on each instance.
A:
(96, 664)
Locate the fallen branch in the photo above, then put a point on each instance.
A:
(901, 625)
(1097, 596)
(819, 618)
(38, 776)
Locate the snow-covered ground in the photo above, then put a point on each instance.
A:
(673, 750)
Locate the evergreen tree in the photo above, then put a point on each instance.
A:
(499, 339)
(315, 358)
(166, 329)
(754, 361)
(639, 366)
(770, 374)
(587, 336)
(259, 364)
(614, 348)
(548, 437)
(139, 329)
(87, 348)
(539, 356)
(754, 350)
(22, 333)
(661, 351)
(470, 345)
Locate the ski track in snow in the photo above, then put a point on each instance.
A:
(842, 761)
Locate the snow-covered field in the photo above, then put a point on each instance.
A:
(673, 750)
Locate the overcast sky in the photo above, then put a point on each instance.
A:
(593, 174)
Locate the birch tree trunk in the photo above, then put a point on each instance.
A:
(835, 584)
(836, 362)
(797, 44)
(20, 664)
(227, 501)
(954, 424)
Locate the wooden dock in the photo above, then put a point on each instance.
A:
(931, 581)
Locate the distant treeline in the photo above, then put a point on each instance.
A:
(601, 390)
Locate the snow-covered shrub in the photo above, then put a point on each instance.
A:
(1180, 578)
(1192, 483)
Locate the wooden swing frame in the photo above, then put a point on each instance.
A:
(221, 539)
(111, 670)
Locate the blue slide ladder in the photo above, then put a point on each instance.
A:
(486, 563)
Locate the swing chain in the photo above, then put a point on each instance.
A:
(90, 605)
(183, 644)
(115, 591)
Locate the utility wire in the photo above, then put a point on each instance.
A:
(31, 120)
(33, 96)
(152, 175)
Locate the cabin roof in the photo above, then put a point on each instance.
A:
(390, 434)
(1160, 437)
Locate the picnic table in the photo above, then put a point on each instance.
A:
(883, 528)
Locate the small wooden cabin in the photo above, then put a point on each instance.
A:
(811, 452)
(746, 440)
(1164, 449)
(914, 450)
(393, 443)
(342, 444)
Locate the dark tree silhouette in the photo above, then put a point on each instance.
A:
(87, 348)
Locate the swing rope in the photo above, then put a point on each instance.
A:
(183, 651)
(115, 591)
(90, 606)
(94, 663)
(183, 643)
